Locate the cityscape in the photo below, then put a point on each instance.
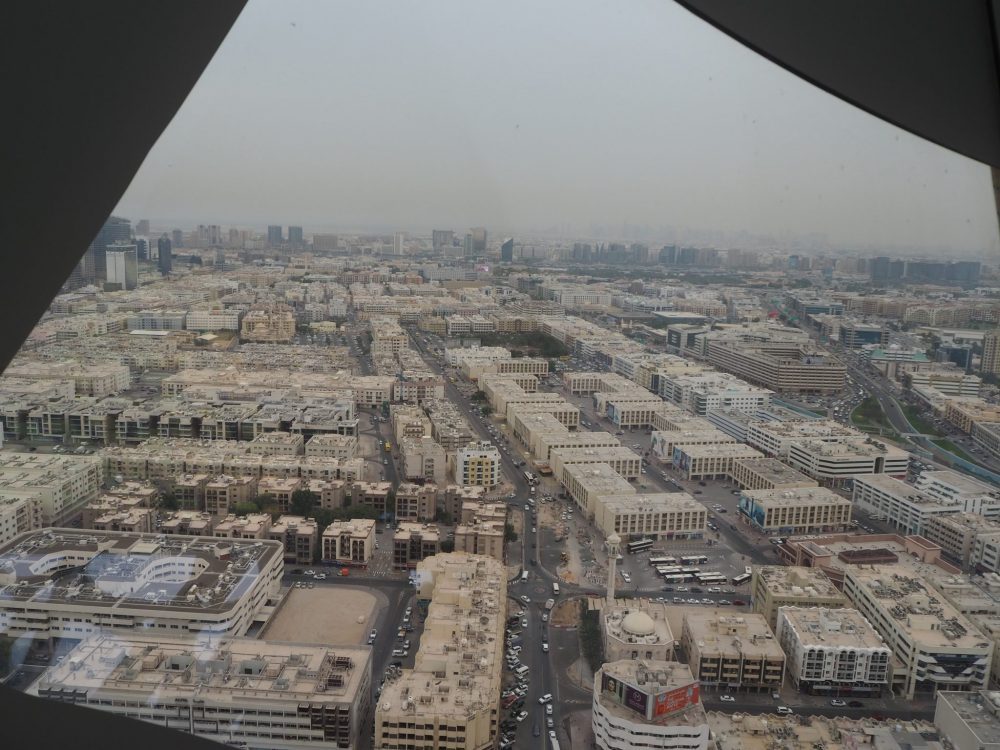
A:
(289, 489)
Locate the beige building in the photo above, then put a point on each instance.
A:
(804, 510)
(250, 526)
(424, 458)
(332, 446)
(189, 490)
(262, 695)
(775, 586)
(298, 536)
(967, 538)
(223, 493)
(768, 474)
(833, 652)
(277, 444)
(61, 485)
(482, 534)
(837, 463)
(586, 483)
(478, 464)
(268, 325)
(969, 720)
(349, 542)
(188, 523)
(637, 629)
(936, 646)
(413, 542)
(661, 515)
(780, 366)
(450, 698)
(134, 520)
(416, 502)
(731, 653)
(623, 461)
(711, 461)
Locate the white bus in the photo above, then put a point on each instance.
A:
(741, 579)
(530, 477)
(639, 546)
(654, 560)
(694, 560)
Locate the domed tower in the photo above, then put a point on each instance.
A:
(613, 544)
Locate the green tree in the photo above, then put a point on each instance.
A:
(509, 534)
(245, 508)
(486, 409)
(478, 397)
(442, 516)
(303, 502)
(168, 501)
(448, 545)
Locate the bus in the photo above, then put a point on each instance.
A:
(388, 446)
(654, 561)
(639, 546)
(690, 571)
(664, 569)
(710, 578)
(530, 477)
(694, 560)
(741, 579)
(679, 578)
(555, 589)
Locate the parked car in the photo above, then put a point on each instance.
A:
(727, 699)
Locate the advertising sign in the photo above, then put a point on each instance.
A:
(636, 700)
(675, 700)
(613, 687)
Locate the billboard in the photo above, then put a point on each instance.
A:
(613, 687)
(675, 700)
(637, 700)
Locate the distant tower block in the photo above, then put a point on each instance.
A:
(613, 543)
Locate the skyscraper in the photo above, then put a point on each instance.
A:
(295, 236)
(469, 247)
(397, 243)
(991, 353)
(165, 256)
(122, 265)
(274, 235)
(94, 264)
(142, 227)
(177, 238)
(442, 238)
(142, 248)
(507, 250)
(478, 241)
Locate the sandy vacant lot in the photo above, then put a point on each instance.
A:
(325, 614)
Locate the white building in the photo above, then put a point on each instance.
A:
(951, 486)
(835, 463)
(62, 485)
(478, 464)
(239, 691)
(68, 583)
(833, 652)
(122, 266)
(639, 705)
(907, 507)
(214, 320)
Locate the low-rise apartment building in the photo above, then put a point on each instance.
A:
(937, 647)
(710, 461)
(415, 502)
(804, 510)
(223, 493)
(298, 536)
(776, 586)
(61, 485)
(478, 464)
(837, 463)
(262, 695)
(768, 474)
(731, 653)
(460, 656)
(332, 446)
(349, 542)
(660, 515)
(413, 542)
(833, 652)
(969, 539)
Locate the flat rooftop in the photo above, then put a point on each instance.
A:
(747, 634)
(979, 711)
(796, 497)
(828, 628)
(797, 581)
(918, 607)
(720, 450)
(806, 428)
(118, 570)
(655, 678)
(599, 479)
(662, 502)
(773, 470)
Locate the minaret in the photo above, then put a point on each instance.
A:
(613, 544)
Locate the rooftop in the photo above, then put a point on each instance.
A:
(831, 627)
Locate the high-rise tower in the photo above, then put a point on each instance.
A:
(614, 545)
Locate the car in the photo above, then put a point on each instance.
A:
(856, 704)
(399, 652)
(320, 576)
(678, 600)
(837, 702)
(310, 572)
(524, 622)
(724, 602)
(550, 722)
(548, 709)
(526, 600)
(545, 617)
(784, 710)
(738, 602)
(522, 716)
(545, 648)
(552, 734)
(727, 699)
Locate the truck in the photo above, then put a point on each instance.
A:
(550, 603)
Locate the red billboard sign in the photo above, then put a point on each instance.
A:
(675, 700)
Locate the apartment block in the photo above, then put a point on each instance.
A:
(662, 515)
(298, 536)
(413, 542)
(478, 464)
(836, 463)
(18, 515)
(423, 459)
(460, 655)
(732, 653)
(61, 485)
(776, 586)
(624, 461)
(776, 438)
(481, 529)
(805, 510)
(349, 542)
(710, 461)
(277, 444)
(416, 502)
(257, 694)
(768, 474)
(967, 538)
(332, 446)
(188, 523)
(223, 493)
(968, 720)
(833, 652)
(937, 647)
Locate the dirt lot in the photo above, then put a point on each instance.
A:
(325, 614)
(565, 614)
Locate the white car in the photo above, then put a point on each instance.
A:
(526, 600)
(727, 699)
(548, 709)
(552, 734)
(547, 698)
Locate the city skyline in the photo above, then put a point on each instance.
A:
(676, 125)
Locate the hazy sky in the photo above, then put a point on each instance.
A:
(519, 115)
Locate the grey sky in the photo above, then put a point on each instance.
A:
(520, 115)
